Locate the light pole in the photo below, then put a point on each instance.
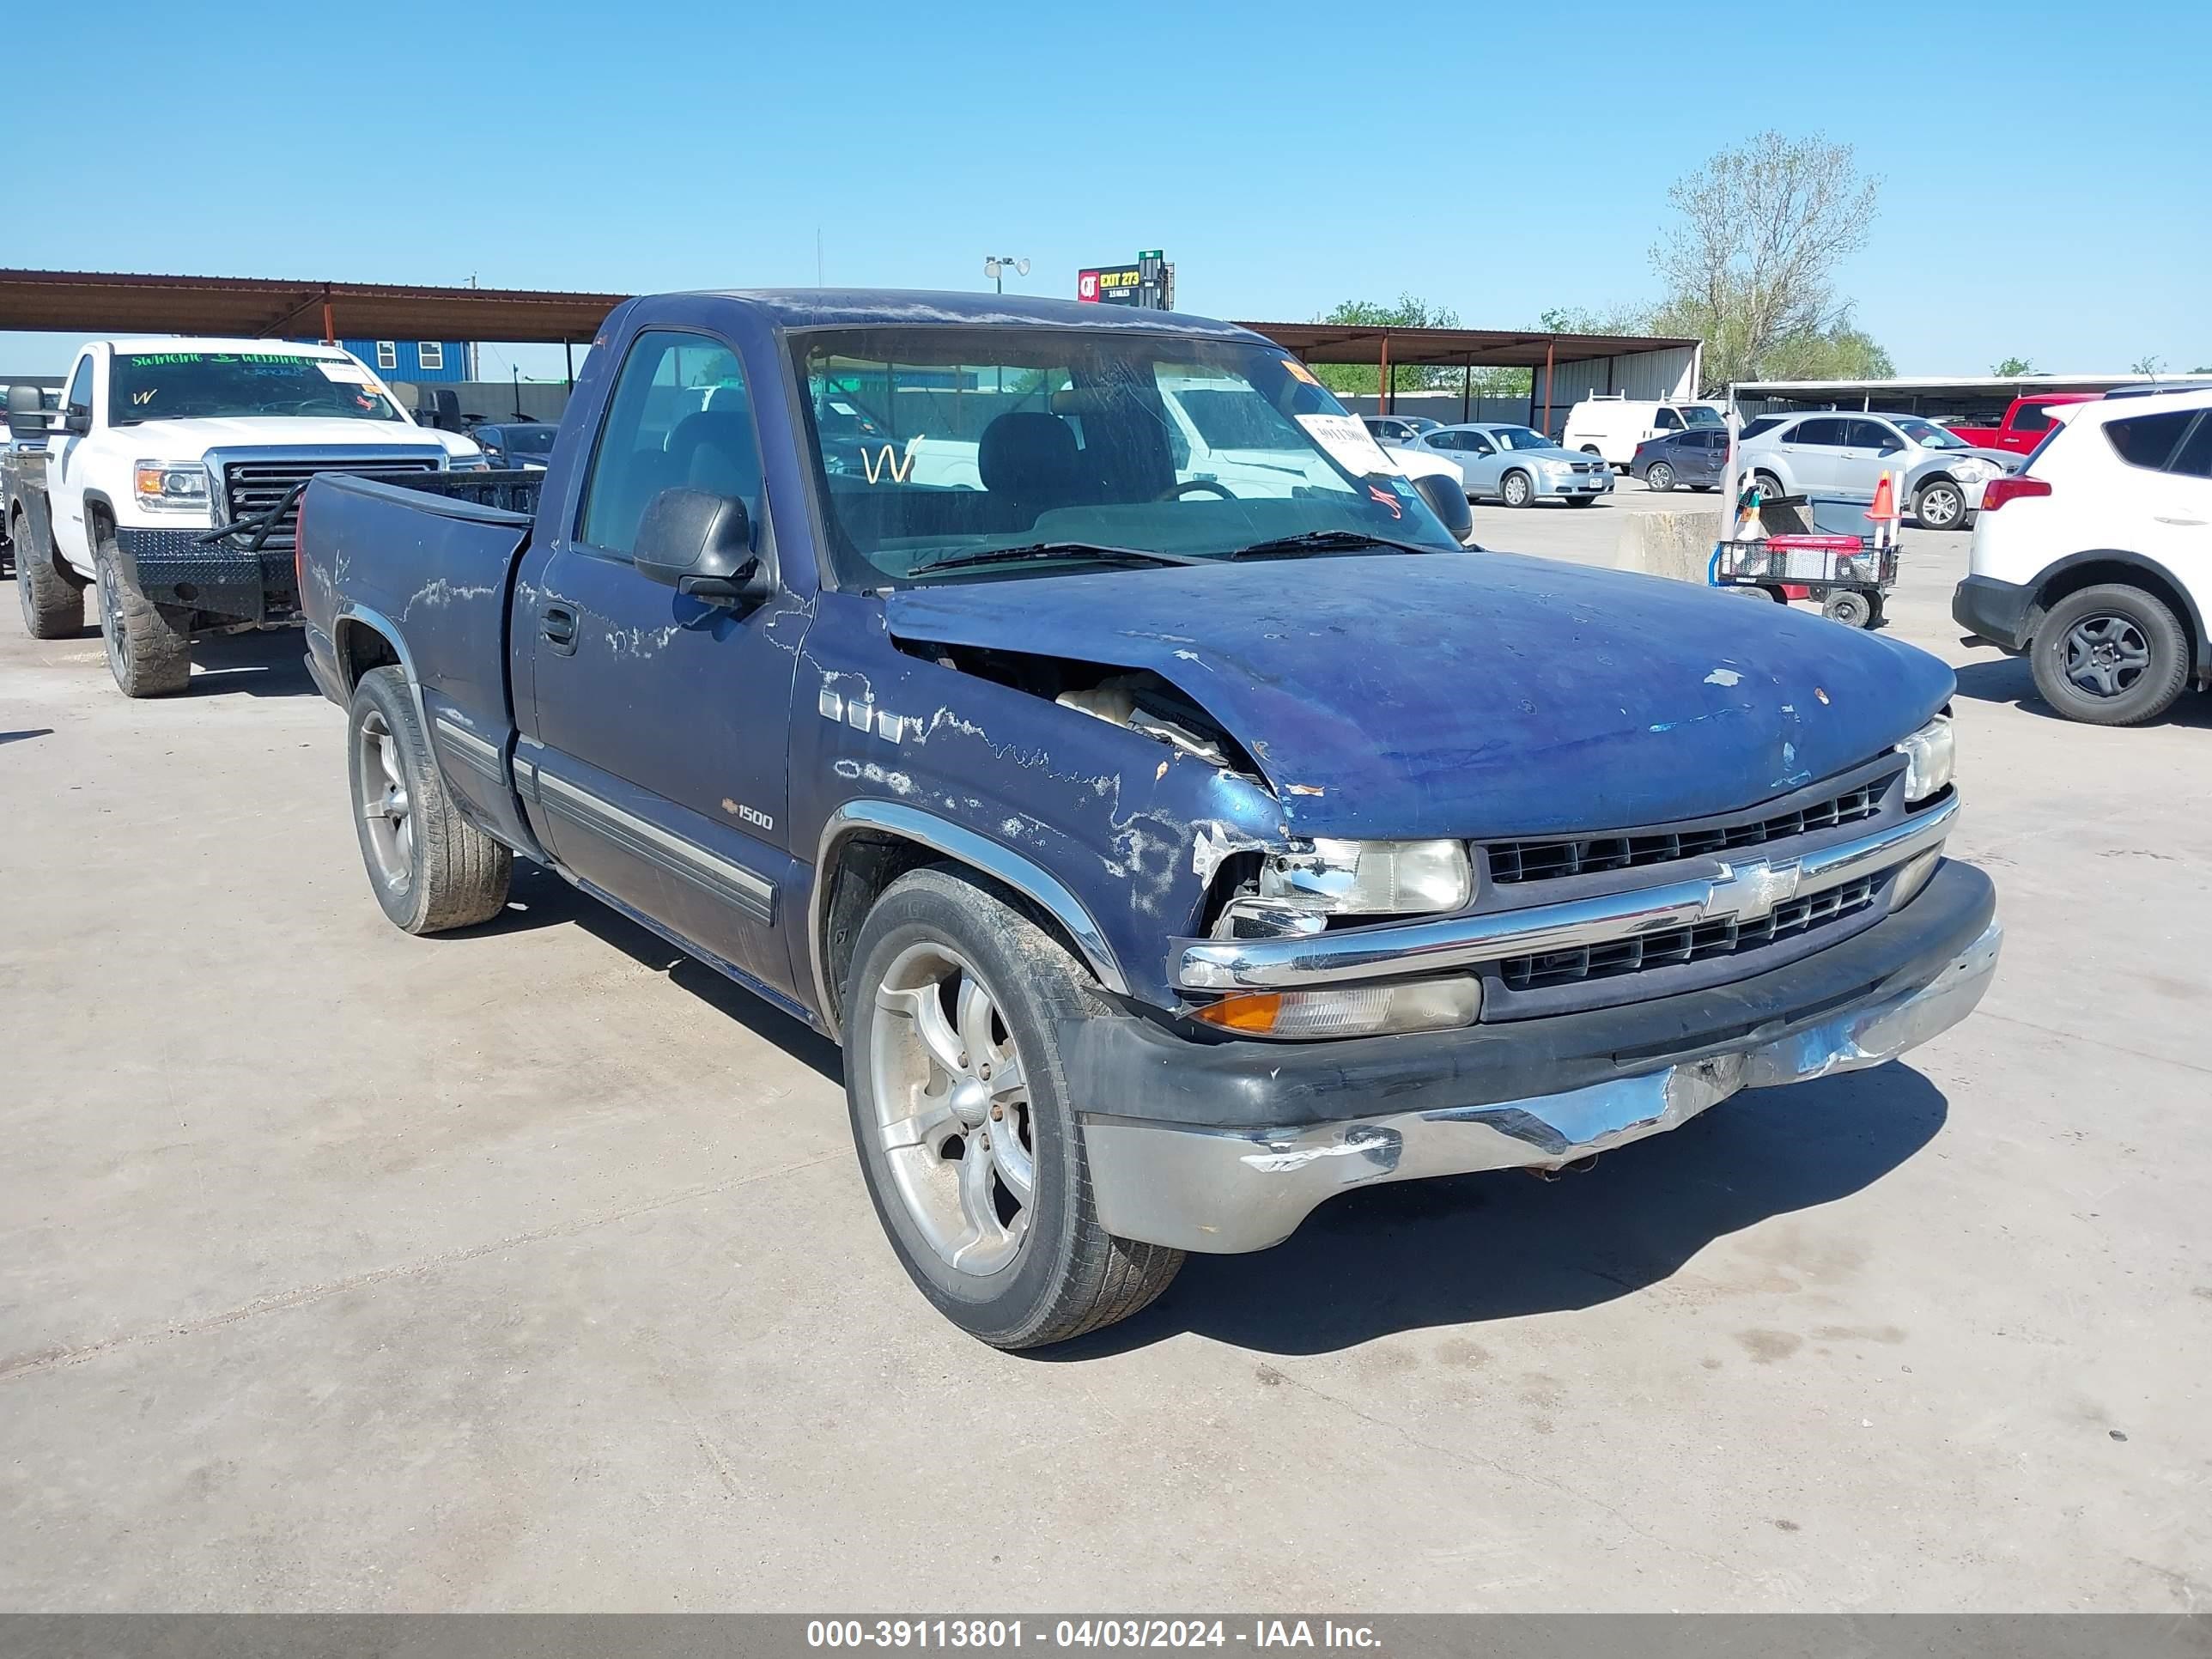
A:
(995, 267)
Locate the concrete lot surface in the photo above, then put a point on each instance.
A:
(531, 1270)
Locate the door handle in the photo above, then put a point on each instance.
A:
(559, 622)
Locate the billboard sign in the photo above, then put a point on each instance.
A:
(1149, 282)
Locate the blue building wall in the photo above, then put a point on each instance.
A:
(408, 355)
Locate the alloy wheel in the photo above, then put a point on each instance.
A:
(380, 778)
(951, 1109)
(2106, 655)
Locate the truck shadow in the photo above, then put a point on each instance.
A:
(1468, 1250)
(2009, 679)
(261, 664)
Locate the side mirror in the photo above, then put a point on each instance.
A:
(702, 545)
(77, 421)
(27, 415)
(1446, 499)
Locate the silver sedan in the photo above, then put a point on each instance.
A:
(1517, 464)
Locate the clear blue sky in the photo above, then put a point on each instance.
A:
(2046, 191)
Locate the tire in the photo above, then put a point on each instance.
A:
(1769, 485)
(53, 606)
(150, 648)
(1660, 476)
(1593, 451)
(430, 868)
(1848, 606)
(2110, 655)
(1015, 1273)
(1513, 481)
(1941, 505)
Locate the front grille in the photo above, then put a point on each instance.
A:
(250, 487)
(1547, 861)
(1695, 943)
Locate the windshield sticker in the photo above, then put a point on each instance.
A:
(1348, 443)
(887, 463)
(1299, 371)
(1387, 500)
(343, 373)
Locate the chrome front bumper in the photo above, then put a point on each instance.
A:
(1228, 1190)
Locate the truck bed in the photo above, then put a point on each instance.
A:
(425, 561)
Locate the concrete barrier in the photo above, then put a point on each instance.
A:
(1676, 545)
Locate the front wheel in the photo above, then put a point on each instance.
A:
(1661, 477)
(430, 868)
(150, 648)
(1941, 505)
(2110, 655)
(1515, 490)
(968, 1138)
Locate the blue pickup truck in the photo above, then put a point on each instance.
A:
(1072, 711)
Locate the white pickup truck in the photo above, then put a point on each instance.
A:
(158, 446)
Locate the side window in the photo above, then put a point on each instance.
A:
(2194, 457)
(1478, 444)
(2149, 440)
(1668, 421)
(431, 354)
(1873, 434)
(2032, 417)
(1828, 433)
(79, 401)
(387, 354)
(1442, 440)
(680, 417)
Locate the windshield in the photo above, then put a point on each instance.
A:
(1928, 435)
(177, 385)
(1701, 415)
(527, 440)
(933, 445)
(1521, 437)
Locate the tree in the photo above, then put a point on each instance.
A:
(1753, 262)
(1362, 378)
(2012, 368)
(1841, 352)
(2148, 366)
(1585, 320)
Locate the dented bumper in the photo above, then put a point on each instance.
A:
(1228, 1146)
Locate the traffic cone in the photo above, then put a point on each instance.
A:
(1884, 513)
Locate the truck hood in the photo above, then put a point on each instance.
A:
(184, 441)
(1473, 695)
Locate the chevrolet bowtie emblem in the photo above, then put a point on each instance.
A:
(1749, 891)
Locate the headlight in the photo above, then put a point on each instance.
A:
(1926, 760)
(1555, 468)
(1371, 877)
(1973, 469)
(172, 486)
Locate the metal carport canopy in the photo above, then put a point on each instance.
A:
(247, 307)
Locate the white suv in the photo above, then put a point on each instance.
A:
(2095, 561)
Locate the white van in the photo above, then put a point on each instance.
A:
(1613, 424)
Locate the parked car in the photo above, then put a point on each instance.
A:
(2024, 425)
(1398, 429)
(1517, 464)
(515, 443)
(1940, 478)
(159, 441)
(2095, 560)
(1611, 425)
(1168, 853)
(1698, 460)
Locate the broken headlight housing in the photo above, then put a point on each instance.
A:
(1329, 877)
(1928, 756)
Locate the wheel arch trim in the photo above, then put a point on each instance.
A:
(377, 622)
(955, 841)
(2193, 616)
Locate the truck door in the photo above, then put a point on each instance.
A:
(659, 726)
(65, 468)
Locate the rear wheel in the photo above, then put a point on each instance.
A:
(150, 646)
(52, 605)
(2110, 655)
(1941, 505)
(1514, 489)
(1660, 476)
(430, 868)
(968, 1139)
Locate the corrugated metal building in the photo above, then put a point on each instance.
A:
(423, 362)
